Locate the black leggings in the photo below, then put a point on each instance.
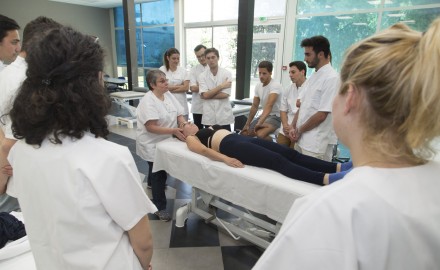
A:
(266, 154)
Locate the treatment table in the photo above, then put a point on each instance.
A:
(215, 185)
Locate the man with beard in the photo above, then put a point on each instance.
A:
(312, 124)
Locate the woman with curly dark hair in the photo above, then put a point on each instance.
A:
(80, 194)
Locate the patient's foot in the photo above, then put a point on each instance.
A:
(346, 166)
(333, 177)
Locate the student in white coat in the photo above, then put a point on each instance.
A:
(215, 90)
(385, 213)
(290, 101)
(10, 45)
(80, 195)
(312, 124)
(197, 101)
(178, 78)
(159, 116)
(11, 79)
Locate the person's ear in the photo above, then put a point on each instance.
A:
(352, 99)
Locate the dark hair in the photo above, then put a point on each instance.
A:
(199, 47)
(299, 65)
(318, 43)
(168, 53)
(212, 50)
(152, 77)
(266, 64)
(62, 94)
(37, 27)
(7, 24)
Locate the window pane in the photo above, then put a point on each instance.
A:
(194, 37)
(139, 46)
(118, 14)
(137, 14)
(417, 19)
(225, 41)
(319, 6)
(267, 29)
(269, 8)
(156, 41)
(197, 11)
(158, 12)
(407, 3)
(342, 31)
(225, 10)
(120, 48)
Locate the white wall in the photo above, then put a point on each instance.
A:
(88, 20)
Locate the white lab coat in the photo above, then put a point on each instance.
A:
(373, 219)
(289, 96)
(216, 111)
(197, 101)
(79, 199)
(263, 92)
(177, 78)
(152, 108)
(11, 79)
(318, 94)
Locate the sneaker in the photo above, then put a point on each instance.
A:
(163, 215)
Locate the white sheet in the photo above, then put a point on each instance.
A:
(257, 189)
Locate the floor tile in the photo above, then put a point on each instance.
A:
(240, 257)
(201, 258)
(196, 233)
(161, 232)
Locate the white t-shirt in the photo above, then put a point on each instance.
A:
(289, 96)
(11, 79)
(79, 199)
(177, 78)
(216, 111)
(373, 219)
(2, 66)
(318, 94)
(263, 92)
(152, 108)
(197, 101)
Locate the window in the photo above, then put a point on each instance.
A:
(154, 35)
(213, 23)
(345, 22)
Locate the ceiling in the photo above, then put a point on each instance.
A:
(99, 3)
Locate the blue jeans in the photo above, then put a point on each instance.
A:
(157, 181)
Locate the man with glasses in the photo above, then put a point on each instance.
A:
(196, 102)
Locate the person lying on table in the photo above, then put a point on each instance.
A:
(236, 150)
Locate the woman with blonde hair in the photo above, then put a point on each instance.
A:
(385, 213)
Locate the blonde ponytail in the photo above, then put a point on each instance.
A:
(423, 123)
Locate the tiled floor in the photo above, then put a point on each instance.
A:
(197, 245)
